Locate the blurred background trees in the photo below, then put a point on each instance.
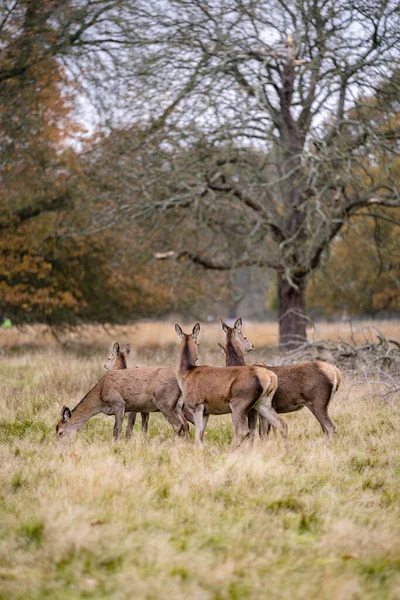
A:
(253, 146)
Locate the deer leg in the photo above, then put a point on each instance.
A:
(172, 417)
(204, 425)
(167, 405)
(270, 414)
(179, 411)
(119, 412)
(240, 423)
(198, 423)
(131, 422)
(321, 414)
(252, 421)
(187, 414)
(264, 427)
(264, 407)
(145, 424)
(114, 405)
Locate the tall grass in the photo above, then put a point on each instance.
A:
(164, 520)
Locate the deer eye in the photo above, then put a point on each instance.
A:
(60, 433)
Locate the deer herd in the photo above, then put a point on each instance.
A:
(192, 393)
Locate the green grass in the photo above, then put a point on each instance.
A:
(164, 520)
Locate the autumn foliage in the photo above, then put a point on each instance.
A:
(361, 276)
(74, 245)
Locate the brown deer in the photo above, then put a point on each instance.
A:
(117, 361)
(310, 384)
(218, 390)
(234, 357)
(143, 389)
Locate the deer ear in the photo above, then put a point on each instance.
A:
(116, 348)
(196, 331)
(224, 325)
(238, 325)
(65, 414)
(179, 331)
(222, 349)
(127, 348)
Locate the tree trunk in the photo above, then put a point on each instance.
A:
(292, 318)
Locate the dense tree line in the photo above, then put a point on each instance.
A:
(220, 134)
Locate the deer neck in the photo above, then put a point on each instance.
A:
(234, 354)
(119, 363)
(89, 406)
(187, 359)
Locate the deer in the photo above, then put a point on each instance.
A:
(143, 389)
(311, 384)
(220, 390)
(116, 361)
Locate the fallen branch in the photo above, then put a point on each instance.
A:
(378, 358)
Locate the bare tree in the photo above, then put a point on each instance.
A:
(296, 104)
(278, 120)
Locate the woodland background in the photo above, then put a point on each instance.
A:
(252, 145)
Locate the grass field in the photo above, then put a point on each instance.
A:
(164, 520)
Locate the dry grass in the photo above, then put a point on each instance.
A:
(158, 334)
(163, 520)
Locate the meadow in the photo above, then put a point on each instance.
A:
(163, 519)
(153, 335)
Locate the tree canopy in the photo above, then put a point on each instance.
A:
(293, 106)
(226, 133)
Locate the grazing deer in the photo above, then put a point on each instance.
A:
(311, 384)
(117, 361)
(143, 389)
(218, 390)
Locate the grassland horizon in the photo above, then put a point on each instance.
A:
(157, 334)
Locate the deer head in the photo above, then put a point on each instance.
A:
(118, 358)
(235, 336)
(65, 428)
(189, 345)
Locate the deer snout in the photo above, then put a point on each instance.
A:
(60, 437)
(66, 436)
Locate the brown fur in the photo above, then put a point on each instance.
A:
(215, 390)
(143, 389)
(117, 361)
(311, 384)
